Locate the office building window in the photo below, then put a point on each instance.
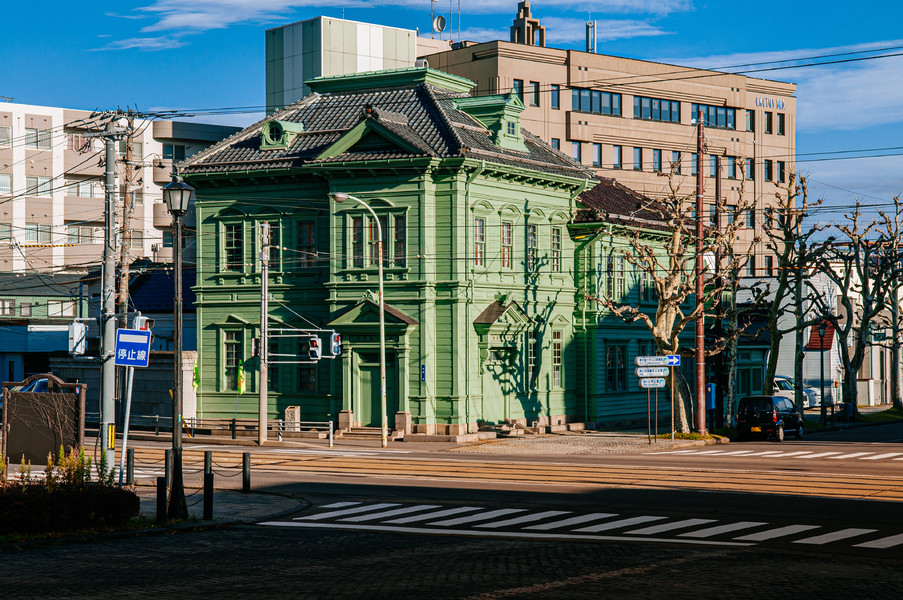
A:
(657, 160)
(637, 159)
(7, 308)
(575, 151)
(532, 247)
(556, 143)
(781, 174)
(731, 167)
(597, 155)
(768, 170)
(781, 127)
(694, 163)
(38, 186)
(616, 367)
(719, 117)
(479, 241)
(233, 247)
(769, 265)
(750, 120)
(750, 218)
(713, 165)
(307, 245)
(6, 136)
(555, 96)
(174, 152)
(518, 88)
(507, 243)
(556, 358)
(534, 93)
(750, 169)
(769, 121)
(37, 138)
(713, 215)
(556, 250)
(595, 101)
(6, 183)
(656, 109)
(675, 162)
(751, 267)
(60, 308)
(616, 158)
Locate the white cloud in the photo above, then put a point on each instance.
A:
(145, 43)
(564, 30)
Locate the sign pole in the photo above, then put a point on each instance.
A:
(130, 377)
(648, 418)
(672, 404)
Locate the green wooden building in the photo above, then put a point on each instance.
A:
(482, 307)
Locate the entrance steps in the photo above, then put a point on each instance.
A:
(368, 433)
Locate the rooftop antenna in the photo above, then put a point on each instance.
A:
(590, 34)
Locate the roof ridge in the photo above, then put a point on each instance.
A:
(427, 91)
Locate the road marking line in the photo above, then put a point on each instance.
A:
(711, 451)
(339, 504)
(572, 521)
(833, 537)
(786, 454)
(618, 524)
(888, 455)
(669, 526)
(713, 531)
(442, 513)
(674, 452)
(737, 452)
(391, 513)
(499, 534)
(776, 533)
(766, 453)
(525, 519)
(819, 455)
(480, 517)
(347, 511)
(853, 455)
(887, 542)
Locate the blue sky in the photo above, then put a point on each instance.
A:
(204, 54)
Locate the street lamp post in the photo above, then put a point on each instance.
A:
(178, 196)
(822, 328)
(340, 197)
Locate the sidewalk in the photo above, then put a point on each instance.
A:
(229, 506)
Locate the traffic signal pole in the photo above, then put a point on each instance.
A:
(700, 319)
(262, 351)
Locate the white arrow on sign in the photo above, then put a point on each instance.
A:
(652, 371)
(652, 382)
(673, 360)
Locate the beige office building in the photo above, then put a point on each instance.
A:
(52, 186)
(631, 119)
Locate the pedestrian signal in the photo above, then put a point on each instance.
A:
(313, 348)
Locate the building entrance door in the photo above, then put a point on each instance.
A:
(369, 402)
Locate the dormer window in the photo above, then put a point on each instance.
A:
(512, 130)
(279, 135)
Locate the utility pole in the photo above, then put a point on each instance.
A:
(128, 206)
(263, 350)
(108, 317)
(700, 320)
(718, 325)
(895, 342)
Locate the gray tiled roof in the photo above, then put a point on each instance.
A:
(422, 115)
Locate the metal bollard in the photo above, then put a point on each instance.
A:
(208, 461)
(130, 466)
(167, 469)
(232, 427)
(330, 434)
(246, 473)
(280, 429)
(208, 496)
(156, 424)
(161, 499)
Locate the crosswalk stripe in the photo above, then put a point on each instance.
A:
(480, 517)
(737, 453)
(654, 529)
(571, 521)
(776, 533)
(340, 504)
(766, 453)
(819, 455)
(391, 513)
(730, 527)
(711, 452)
(673, 452)
(833, 537)
(442, 513)
(786, 454)
(525, 519)
(853, 455)
(888, 455)
(618, 524)
(887, 542)
(347, 511)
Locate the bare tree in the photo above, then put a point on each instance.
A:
(665, 254)
(864, 265)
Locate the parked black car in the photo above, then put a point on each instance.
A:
(768, 416)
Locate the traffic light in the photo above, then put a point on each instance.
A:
(142, 323)
(335, 343)
(313, 348)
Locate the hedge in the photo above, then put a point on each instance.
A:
(35, 509)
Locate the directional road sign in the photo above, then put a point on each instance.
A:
(669, 360)
(652, 382)
(652, 371)
(132, 347)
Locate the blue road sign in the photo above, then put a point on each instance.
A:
(673, 360)
(132, 347)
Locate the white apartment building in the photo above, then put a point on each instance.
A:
(52, 186)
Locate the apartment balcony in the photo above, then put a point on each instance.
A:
(84, 255)
(162, 217)
(162, 171)
(161, 254)
(88, 163)
(87, 209)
